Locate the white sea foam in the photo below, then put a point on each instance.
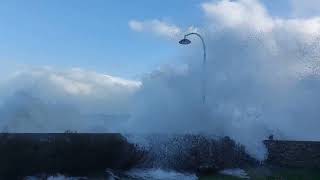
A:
(240, 173)
(159, 174)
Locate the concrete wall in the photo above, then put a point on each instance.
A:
(293, 153)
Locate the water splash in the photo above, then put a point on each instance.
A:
(262, 78)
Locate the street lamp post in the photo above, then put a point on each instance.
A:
(186, 41)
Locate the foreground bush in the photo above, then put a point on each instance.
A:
(74, 154)
(68, 153)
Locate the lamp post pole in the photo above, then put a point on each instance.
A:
(186, 41)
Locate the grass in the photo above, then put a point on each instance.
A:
(265, 173)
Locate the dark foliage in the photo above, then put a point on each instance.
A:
(76, 154)
(68, 153)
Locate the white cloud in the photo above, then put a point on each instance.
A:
(305, 8)
(251, 16)
(242, 15)
(305, 28)
(236, 14)
(156, 27)
(76, 82)
(136, 25)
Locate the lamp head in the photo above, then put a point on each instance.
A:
(184, 41)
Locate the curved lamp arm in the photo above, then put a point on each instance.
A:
(203, 64)
(203, 44)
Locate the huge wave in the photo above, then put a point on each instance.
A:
(262, 78)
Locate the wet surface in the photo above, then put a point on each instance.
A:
(136, 174)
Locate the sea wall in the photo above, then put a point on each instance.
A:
(300, 154)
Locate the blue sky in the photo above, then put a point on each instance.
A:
(95, 35)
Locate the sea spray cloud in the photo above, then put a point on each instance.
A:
(262, 76)
(50, 100)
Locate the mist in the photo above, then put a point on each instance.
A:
(50, 100)
(262, 78)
